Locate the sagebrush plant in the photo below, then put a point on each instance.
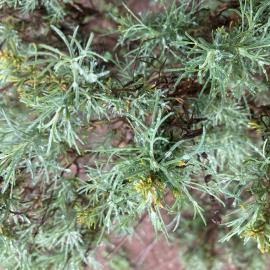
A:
(194, 100)
(55, 9)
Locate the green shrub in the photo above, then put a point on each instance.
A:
(194, 98)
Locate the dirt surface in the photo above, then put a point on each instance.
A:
(144, 250)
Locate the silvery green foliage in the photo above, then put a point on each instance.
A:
(54, 8)
(193, 104)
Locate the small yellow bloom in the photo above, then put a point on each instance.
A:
(85, 217)
(182, 163)
(176, 193)
(127, 106)
(151, 87)
(242, 206)
(146, 187)
(251, 234)
(120, 28)
(255, 126)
